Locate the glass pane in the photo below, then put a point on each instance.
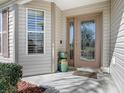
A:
(35, 42)
(71, 42)
(88, 36)
(35, 20)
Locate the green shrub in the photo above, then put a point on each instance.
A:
(3, 85)
(10, 74)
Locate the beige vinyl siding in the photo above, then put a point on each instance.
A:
(11, 37)
(37, 63)
(117, 43)
(103, 7)
(60, 34)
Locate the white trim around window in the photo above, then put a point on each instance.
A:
(33, 54)
(1, 32)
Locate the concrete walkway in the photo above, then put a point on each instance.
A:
(68, 83)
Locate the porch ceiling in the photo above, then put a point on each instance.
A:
(62, 4)
(4, 1)
(69, 4)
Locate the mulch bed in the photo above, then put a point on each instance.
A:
(25, 87)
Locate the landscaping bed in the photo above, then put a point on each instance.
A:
(25, 87)
(10, 80)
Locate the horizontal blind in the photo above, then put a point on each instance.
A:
(5, 32)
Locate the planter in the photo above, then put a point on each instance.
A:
(63, 65)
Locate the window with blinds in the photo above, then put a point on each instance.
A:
(35, 29)
(5, 33)
(0, 32)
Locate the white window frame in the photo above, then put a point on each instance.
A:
(1, 31)
(32, 54)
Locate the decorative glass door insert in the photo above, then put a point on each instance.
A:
(88, 39)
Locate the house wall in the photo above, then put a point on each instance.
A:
(34, 64)
(11, 58)
(117, 43)
(103, 7)
(59, 33)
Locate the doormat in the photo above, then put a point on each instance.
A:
(86, 74)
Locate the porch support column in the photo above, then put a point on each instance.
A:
(53, 55)
(16, 25)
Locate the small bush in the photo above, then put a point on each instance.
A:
(10, 74)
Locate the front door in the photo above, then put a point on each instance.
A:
(88, 41)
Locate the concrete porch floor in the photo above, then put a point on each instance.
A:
(68, 83)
